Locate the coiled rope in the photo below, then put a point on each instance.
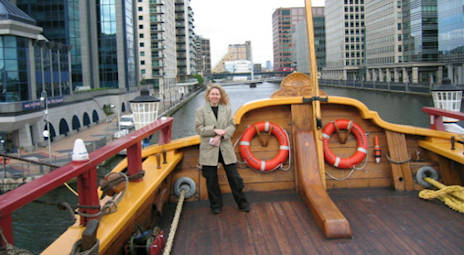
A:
(175, 222)
(452, 196)
(9, 249)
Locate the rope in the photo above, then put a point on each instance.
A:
(9, 249)
(71, 189)
(395, 161)
(175, 223)
(111, 205)
(452, 196)
(289, 154)
(354, 168)
(76, 249)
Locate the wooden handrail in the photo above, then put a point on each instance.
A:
(85, 171)
(436, 116)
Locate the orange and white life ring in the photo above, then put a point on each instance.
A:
(361, 138)
(264, 165)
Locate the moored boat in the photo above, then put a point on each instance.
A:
(324, 174)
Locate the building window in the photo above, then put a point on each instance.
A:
(140, 8)
(141, 44)
(142, 53)
(140, 17)
(142, 62)
(140, 35)
(140, 26)
(143, 71)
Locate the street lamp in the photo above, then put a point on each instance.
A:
(144, 108)
(46, 133)
(112, 106)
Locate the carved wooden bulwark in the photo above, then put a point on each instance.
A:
(296, 84)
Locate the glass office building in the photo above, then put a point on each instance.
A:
(451, 38)
(60, 23)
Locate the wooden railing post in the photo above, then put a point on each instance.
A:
(7, 229)
(88, 195)
(134, 160)
(165, 134)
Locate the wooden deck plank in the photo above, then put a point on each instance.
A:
(383, 222)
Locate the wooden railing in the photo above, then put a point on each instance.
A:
(86, 173)
(436, 116)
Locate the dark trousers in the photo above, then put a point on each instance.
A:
(235, 182)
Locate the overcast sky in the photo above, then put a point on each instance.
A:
(226, 22)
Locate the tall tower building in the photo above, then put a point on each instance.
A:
(300, 42)
(451, 38)
(101, 34)
(284, 21)
(401, 42)
(203, 56)
(344, 27)
(384, 44)
(186, 55)
(157, 44)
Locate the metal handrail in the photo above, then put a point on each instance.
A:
(436, 116)
(86, 172)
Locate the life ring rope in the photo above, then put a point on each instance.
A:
(362, 148)
(244, 142)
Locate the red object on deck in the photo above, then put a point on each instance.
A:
(158, 244)
(377, 151)
(436, 116)
(85, 171)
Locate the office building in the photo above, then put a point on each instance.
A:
(300, 42)
(345, 29)
(157, 44)
(284, 21)
(203, 56)
(101, 34)
(234, 52)
(185, 40)
(451, 39)
(401, 42)
(31, 67)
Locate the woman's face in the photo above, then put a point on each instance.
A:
(214, 96)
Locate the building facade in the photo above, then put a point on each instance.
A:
(284, 22)
(101, 34)
(157, 44)
(300, 42)
(345, 38)
(234, 52)
(185, 40)
(451, 39)
(203, 56)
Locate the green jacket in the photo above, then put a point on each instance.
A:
(205, 123)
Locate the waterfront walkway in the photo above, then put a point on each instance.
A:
(94, 137)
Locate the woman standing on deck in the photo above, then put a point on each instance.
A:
(215, 125)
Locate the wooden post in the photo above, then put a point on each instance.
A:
(397, 148)
(134, 160)
(6, 228)
(88, 196)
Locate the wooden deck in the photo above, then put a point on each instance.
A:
(383, 222)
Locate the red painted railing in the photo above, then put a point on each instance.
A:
(86, 173)
(436, 116)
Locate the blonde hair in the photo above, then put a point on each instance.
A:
(224, 97)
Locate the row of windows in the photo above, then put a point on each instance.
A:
(354, 24)
(354, 1)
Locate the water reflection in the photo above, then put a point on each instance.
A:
(392, 107)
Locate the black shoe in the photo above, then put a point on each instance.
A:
(244, 207)
(216, 210)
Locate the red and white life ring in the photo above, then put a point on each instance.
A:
(361, 138)
(264, 165)
(4, 160)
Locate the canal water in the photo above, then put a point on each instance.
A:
(36, 225)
